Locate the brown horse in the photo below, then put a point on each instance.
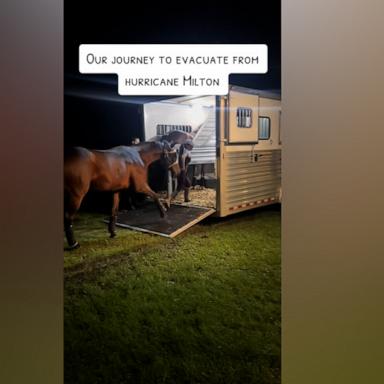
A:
(112, 170)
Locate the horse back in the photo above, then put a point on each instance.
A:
(103, 170)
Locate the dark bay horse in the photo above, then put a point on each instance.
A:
(177, 137)
(112, 170)
(184, 142)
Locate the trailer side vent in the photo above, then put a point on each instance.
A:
(264, 128)
(244, 117)
(163, 129)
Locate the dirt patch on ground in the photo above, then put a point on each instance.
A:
(203, 197)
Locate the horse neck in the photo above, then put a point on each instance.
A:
(150, 156)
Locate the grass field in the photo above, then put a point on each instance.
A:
(203, 308)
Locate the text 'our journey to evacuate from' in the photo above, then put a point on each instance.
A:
(186, 60)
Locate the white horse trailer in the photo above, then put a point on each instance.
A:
(238, 134)
(236, 137)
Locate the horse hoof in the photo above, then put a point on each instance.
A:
(75, 245)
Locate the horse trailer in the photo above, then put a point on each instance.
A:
(236, 137)
(237, 151)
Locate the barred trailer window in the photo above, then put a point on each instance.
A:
(244, 117)
(264, 128)
(163, 129)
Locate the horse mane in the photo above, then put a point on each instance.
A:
(149, 146)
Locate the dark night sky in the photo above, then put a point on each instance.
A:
(101, 123)
(186, 22)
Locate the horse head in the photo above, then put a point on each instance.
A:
(188, 144)
(170, 157)
(176, 137)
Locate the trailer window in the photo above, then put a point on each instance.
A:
(244, 117)
(162, 129)
(264, 128)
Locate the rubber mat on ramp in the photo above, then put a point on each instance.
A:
(178, 219)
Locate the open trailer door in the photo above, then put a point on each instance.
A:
(179, 218)
(194, 115)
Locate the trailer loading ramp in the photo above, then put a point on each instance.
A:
(147, 219)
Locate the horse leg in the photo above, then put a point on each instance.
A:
(169, 192)
(112, 219)
(175, 193)
(145, 188)
(73, 204)
(204, 181)
(179, 187)
(194, 178)
(131, 204)
(187, 188)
